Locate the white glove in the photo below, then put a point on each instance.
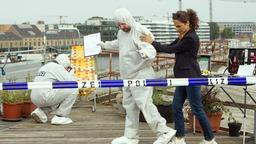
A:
(142, 53)
(101, 44)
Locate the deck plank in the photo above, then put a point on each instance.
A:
(90, 128)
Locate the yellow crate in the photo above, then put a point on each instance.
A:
(84, 68)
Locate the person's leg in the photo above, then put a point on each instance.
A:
(64, 101)
(195, 100)
(177, 105)
(143, 99)
(38, 98)
(60, 100)
(132, 115)
(131, 120)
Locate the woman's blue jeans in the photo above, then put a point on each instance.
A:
(193, 93)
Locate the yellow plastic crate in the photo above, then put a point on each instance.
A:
(84, 68)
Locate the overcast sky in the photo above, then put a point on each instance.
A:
(18, 11)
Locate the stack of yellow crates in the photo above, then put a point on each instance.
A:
(84, 68)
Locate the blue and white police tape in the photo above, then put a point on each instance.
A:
(129, 83)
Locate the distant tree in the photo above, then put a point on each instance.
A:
(227, 33)
(25, 23)
(40, 22)
(96, 17)
(214, 30)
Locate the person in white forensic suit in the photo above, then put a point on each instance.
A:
(135, 58)
(58, 100)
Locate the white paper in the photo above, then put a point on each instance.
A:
(246, 70)
(90, 44)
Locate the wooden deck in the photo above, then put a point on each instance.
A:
(89, 128)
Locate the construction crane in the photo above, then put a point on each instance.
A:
(210, 3)
(180, 5)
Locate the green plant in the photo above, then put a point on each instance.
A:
(210, 101)
(12, 97)
(26, 96)
(231, 118)
(158, 96)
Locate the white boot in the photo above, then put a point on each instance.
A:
(125, 140)
(165, 138)
(178, 141)
(209, 142)
(57, 120)
(39, 116)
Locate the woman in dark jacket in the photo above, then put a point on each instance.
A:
(185, 48)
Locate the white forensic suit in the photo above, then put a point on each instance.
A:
(58, 100)
(135, 58)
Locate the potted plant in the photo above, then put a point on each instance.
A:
(213, 108)
(12, 103)
(233, 125)
(27, 106)
(164, 107)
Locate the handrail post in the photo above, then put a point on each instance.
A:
(110, 74)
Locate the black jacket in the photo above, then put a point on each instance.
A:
(186, 49)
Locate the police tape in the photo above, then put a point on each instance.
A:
(129, 83)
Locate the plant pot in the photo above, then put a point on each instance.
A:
(234, 129)
(214, 120)
(12, 112)
(27, 108)
(165, 112)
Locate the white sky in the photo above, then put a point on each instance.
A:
(18, 11)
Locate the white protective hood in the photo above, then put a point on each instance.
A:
(63, 60)
(122, 15)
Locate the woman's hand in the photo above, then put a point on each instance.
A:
(146, 38)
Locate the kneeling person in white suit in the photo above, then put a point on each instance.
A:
(58, 100)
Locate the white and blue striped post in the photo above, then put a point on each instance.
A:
(129, 83)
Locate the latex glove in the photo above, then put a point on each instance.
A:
(142, 53)
(146, 38)
(101, 44)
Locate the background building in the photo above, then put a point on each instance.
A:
(107, 28)
(20, 37)
(27, 37)
(203, 32)
(10, 42)
(161, 30)
(244, 31)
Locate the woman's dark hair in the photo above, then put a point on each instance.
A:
(185, 16)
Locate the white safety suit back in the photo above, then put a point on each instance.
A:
(54, 72)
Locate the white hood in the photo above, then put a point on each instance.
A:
(63, 60)
(122, 15)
